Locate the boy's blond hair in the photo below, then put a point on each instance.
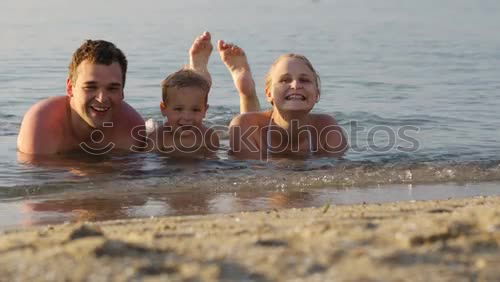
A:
(184, 78)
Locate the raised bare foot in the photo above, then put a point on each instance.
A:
(199, 54)
(236, 62)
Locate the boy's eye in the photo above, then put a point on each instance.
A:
(285, 80)
(305, 79)
(177, 109)
(89, 88)
(196, 110)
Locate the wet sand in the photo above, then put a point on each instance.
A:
(450, 240)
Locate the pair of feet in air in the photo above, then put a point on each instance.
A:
(236, 62)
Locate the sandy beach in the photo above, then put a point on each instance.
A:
(450, 240)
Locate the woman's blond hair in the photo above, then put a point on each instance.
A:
(306, 61)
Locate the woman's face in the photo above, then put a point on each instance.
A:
(293, 86)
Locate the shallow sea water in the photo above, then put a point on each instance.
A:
(415, 84)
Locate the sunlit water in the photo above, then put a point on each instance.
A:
(428, 70)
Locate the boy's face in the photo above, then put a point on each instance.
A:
(185, 108)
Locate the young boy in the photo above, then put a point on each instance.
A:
(184, 104)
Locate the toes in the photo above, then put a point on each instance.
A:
(235, 50)
(206, 35)
(202, 42)
(221, 45)
(203, 37)
(229, 48)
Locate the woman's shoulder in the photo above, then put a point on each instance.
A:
(323, 120)
(332, 141)
(252, 119)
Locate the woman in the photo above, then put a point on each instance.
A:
(292, 88)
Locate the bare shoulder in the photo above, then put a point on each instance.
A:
(130, 115)
(245, 134)
(48, 106)
(43, 126)
(259, 119)
(323, 120)
(332, 140)
(130, 128)
(45, 113)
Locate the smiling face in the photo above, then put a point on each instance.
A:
(97, 92)
(185, 107)
(293, 85)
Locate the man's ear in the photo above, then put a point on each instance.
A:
(163, 108)
(69, 87)
(206, 109)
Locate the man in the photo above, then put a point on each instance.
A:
(92, 117)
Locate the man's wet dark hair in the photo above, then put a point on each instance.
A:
(97, 52)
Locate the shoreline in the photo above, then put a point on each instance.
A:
(446, 240)
(118, 204)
